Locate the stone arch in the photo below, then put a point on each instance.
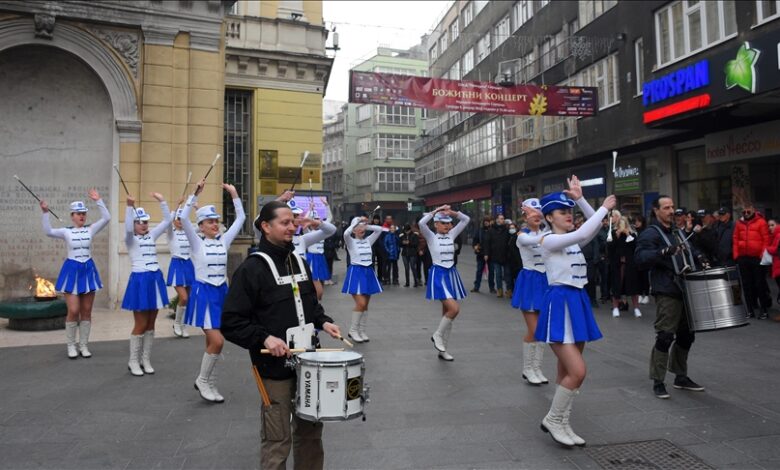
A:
(80, 43)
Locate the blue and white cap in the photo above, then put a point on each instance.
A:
(440, 217)
(294, 207)
(313, 214)
(206, 212)
(78, 206)
(557, 200)
(141, 214)
(533, 203)
(179, 210)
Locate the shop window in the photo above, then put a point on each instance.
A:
(686, 27)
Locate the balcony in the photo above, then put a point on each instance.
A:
(275, 34)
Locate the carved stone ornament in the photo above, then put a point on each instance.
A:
(125, 43)
(44, 26)
(262, 66)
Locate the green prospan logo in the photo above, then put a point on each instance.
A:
(741, 71)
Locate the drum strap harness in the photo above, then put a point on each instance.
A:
(292, 279)
(687, 251)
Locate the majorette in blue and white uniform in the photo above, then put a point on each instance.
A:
(315, 246)
(146, 291)
(360, 278)
(209, 256)
(181, 271)
(531, 282)
(78, 274)
(566, 315)
(444, 281)
(146, 287)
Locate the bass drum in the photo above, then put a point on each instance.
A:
(330, 386)
(714, 299)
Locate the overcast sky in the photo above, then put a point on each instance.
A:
(365, 25)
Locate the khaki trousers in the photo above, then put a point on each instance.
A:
(278, 431)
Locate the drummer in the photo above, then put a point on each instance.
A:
(673, 338)
(257, 314)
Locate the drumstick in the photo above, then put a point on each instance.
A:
(302, 350)
(261, 387)
(345, 341)
(35, 196)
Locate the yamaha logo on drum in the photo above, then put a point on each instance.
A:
(307, 389)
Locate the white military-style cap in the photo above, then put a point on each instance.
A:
(294, 207)
(141, 214)
(78, 206)
(439, 217)
(206, 212)
(533, 203)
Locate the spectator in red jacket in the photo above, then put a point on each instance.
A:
(774, 250)
(751, 237)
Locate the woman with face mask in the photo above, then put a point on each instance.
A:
(566, 320)
(146, 292)
(209, 251)
(79, 278)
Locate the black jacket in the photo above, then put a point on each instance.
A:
(494, 245)
(256, 307)
(647, 256)
(725, 235)
(408, 243)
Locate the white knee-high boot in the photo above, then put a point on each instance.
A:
(529, 354)
(537, 364)
(578, 441)
(146, 354)
(202, 382)
(354, 328)
(213, 379)
(70, 337)
(553, 422)
(438, 336)
(179, 328)
(136, 342)
(84, 328)
(445, 335)
(362, 325)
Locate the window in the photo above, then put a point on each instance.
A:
(522, 12)
(767, 10)
(639, 65)
(454, 73)
(604, 75)
(397, 71)
(363, 145)
(688, 26)
(591, 9)
(483, 47)
(233, 9)
(237, 148)
(454, 30)
(479, 5)
(395, 115)
(433, 54)
(468, 62)
(364, 112)
(443, 43)
(543, 3)
(394, 180)
(501, 31)
(364, 177)
(467, 15)
(394, 146)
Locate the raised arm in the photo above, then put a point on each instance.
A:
(50, 232)
(588, 230)
(527, 239)
(376, 231)
(105, 216)
(464, 222)
(186, 225)
(426, 231)
(129, 223)
(586, 209)
(325, 230)
(163, 226)
(235, 227)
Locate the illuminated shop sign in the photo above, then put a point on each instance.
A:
(676, 83)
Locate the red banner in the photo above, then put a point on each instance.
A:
(471, 96)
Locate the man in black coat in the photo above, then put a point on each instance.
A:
(658, 250)
(478, 244)
(725, 230)
(494, 249)
(259, 308)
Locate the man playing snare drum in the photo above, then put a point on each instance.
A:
(259, 309)
(661, 250)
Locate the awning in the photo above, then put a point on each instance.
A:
(478, 192)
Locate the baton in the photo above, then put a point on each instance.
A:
(36, 197)
(189, 177)
(125, 186)
(212, 166)
(300, 170)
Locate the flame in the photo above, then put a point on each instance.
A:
(44, 288)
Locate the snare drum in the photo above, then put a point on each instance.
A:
(330, 386)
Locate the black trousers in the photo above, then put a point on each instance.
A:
(411, 263)
(754, 283)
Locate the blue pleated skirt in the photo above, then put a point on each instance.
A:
(204, 308)
(444, 283)
(78, 278)
(145, 291)
(181, 272)
(319, 267)
(360, 280)
(566, 317)
(530, 287)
